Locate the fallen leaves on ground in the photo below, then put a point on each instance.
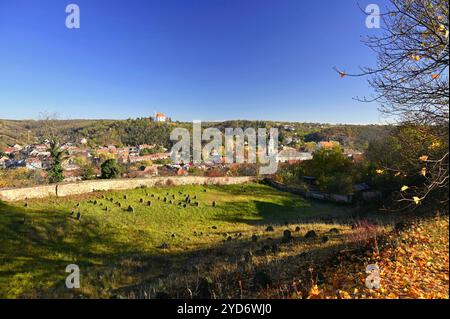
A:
(413, 264)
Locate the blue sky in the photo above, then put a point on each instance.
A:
(191, 59)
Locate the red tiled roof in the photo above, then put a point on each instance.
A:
(325, 144)
(32, 160)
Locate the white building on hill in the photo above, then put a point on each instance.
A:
(160, 117)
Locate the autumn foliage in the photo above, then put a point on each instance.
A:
(413, 263)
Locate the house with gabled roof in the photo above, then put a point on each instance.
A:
(160, 117)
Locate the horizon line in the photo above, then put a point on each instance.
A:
(193, 120)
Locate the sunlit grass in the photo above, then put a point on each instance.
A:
(41, 237)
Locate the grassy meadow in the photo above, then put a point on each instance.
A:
(236, 241)
(120, 246)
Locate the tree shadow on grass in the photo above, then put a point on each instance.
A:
(284, 212)
(229, 276)
(37, 245)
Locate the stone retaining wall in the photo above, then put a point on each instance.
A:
(67, 189)
(15, 194)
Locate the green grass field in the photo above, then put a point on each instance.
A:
(115, 248)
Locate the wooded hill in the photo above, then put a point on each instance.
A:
(145, 131)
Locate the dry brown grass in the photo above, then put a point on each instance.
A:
(311, 268)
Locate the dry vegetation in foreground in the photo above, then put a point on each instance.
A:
(413, 259)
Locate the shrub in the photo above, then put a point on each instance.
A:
(56, 173)
(110, 169)
(147, 151)
(21, 177)
(195, 171)
(88, 172)
(214, 173)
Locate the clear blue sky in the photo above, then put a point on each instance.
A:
(191, 59)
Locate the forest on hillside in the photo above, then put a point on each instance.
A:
(145, 131)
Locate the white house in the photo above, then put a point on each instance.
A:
(291, 155)
(160, 117)
(32, 163)
(3, 161)
(18, 147)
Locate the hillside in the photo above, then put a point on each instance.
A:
(144, 131)
(27, 131)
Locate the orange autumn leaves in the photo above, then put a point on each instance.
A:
(341, 74)
(417, 58)
(435, 76)
(417, 267)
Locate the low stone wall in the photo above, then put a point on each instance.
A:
(15, 194)
(68, 189)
